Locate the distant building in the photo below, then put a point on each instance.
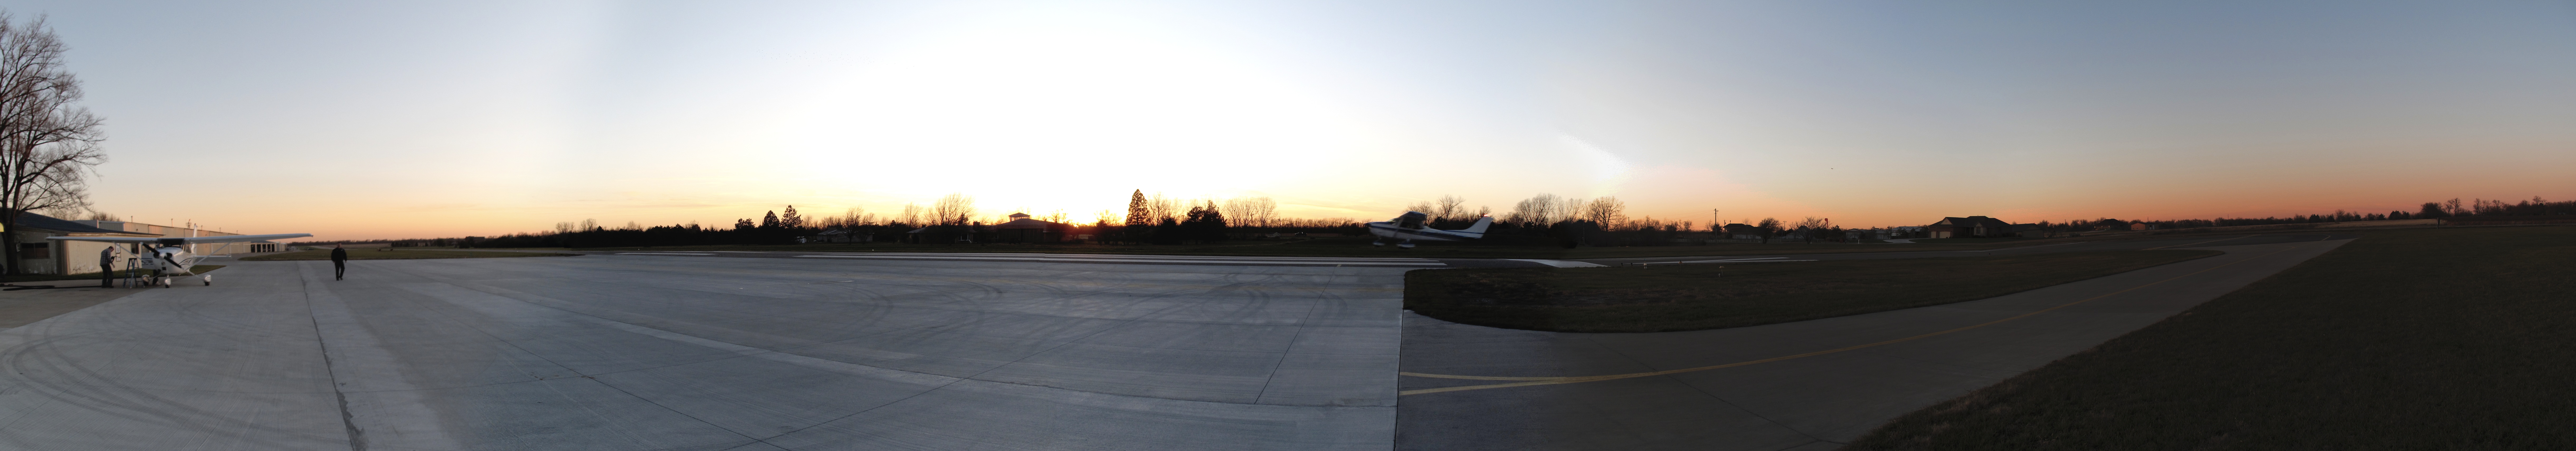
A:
(1907, 232)
(844, 235)
(1746, 232)
(1024, 229)
(38, 255)
(1975, 227)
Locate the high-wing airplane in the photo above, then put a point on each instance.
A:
(168, 257)
(1410, 227)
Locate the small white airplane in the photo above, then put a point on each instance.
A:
(169, 257)
(1410, 227)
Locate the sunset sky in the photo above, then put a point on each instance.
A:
(360, 120)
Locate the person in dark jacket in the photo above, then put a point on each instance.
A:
(107, 267)
(339, 262)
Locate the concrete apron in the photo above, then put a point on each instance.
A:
(1814, 401)
(644, 352)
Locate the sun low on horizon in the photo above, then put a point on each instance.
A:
(384, 121)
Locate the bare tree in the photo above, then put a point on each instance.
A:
(1810, 228)
(1161, 207)
(952, 209)
(1607, 211)
(1543, 208)
(47, 144)
(1255, 211)
(1424, 207)
(1449, 207)
(856, 216)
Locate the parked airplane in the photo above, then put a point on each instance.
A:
(1410, 227)
(169, 257)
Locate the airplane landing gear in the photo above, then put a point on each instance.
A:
(1377, 243)
(210, 279)
(1407, 244)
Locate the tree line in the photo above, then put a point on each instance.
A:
(951, 219)
(1542, 219)
(2453, 208)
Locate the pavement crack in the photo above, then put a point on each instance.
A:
(357, 437)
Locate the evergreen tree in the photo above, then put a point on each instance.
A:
(790, 219)
(769, 221)
(1205, 224)
(1137, 213)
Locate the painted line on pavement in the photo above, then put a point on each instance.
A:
(1136, 260)
(1203, 257)
(1552, 380)
(657, 253)
(2204, 242)
(1560, 263)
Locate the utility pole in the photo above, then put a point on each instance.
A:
(1715, 224)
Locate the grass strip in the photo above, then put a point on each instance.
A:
(1696, 297)
(399, 254)
(2404, 339)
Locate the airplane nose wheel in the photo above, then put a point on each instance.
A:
(210, 280)
(1377, 243)
(1407, 244)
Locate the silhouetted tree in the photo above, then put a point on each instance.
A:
(1137, 214)
(1168, 232)
(790, 219)
(1205, 223)
(47, 144)
(1140, 219)
(2433, 210)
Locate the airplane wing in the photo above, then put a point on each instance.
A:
(202, 239)
(110, 239)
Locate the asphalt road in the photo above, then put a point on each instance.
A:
(795, 350)
(1803, 385)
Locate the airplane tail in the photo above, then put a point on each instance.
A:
(1481, 224)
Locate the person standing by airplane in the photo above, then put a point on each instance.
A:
(107, 267)
(339, 262)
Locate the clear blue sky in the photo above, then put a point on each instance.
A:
(369, 120)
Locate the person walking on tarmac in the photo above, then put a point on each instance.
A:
(339, 262)
(107, 267)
